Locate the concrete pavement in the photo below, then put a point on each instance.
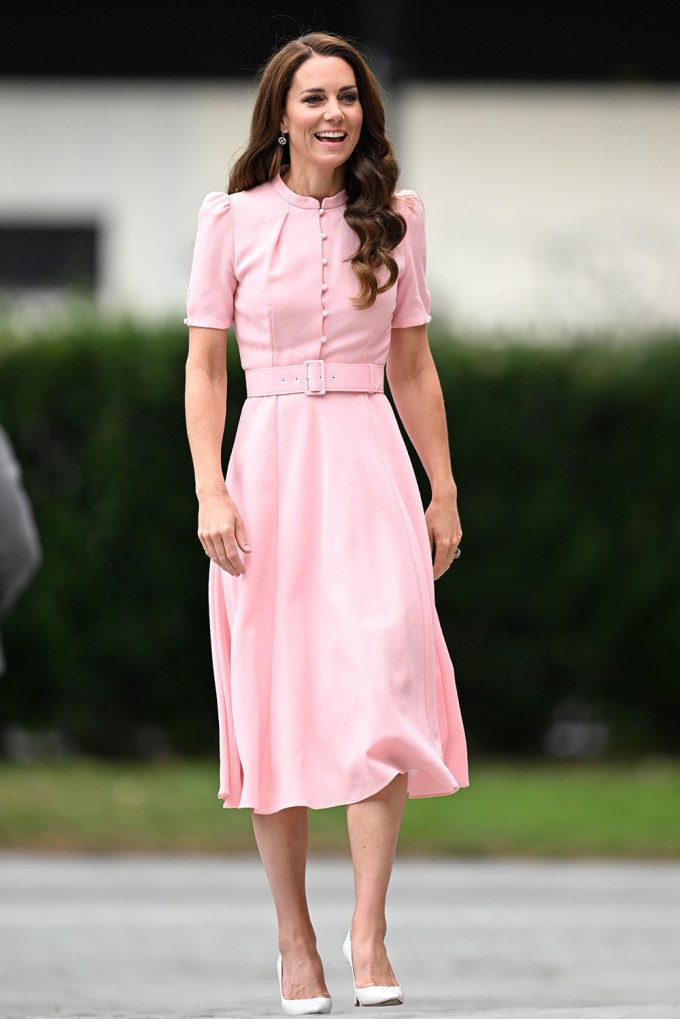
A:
(133, 936)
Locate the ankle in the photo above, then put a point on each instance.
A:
(297, 942)
(367, 930)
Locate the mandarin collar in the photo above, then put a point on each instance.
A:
(306, 201)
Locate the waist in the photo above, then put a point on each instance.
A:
(315, 377)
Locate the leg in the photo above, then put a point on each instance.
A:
(282, 842)
(373, 826)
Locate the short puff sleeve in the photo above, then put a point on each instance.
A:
(412, 306)
(210, 297)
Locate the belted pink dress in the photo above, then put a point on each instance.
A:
(331, 670)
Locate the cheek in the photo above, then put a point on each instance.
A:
(302, 123)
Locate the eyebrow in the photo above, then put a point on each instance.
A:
(343, 88)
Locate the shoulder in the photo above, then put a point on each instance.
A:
(252, 196)
(220, 201)
(214, 207)
(409, 203)
(218, 206)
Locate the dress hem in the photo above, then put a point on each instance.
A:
(327, 806)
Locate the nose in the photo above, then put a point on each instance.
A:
(334, 112)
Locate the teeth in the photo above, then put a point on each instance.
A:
(330, 134)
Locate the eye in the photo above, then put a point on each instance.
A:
(312, 100)
(350, 97)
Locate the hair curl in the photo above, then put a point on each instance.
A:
(371, 171)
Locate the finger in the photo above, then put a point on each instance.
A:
(240, 535)
(439, 571)
(446, 553)
(440, 563)
(216, 551)
(209, 547)
(233, 558)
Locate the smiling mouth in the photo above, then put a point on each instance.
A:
(331, 137)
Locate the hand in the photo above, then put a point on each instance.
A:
(221, 532)
(444, 530)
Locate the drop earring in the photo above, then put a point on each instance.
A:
(282, 139)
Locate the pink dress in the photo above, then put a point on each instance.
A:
(331, 670)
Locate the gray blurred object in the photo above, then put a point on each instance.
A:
(20, 550)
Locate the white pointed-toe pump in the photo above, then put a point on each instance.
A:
(301, 1006)
(372, 995)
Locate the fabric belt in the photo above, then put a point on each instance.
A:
(314, 378)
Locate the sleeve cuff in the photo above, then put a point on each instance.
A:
(410, 323)
(207, 325)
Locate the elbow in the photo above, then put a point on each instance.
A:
(409, 358)
(407, 374)
(213, 372)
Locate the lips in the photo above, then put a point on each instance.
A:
(331, 137)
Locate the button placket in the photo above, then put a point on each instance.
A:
(324, 284)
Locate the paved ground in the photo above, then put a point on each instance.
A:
(195, 937)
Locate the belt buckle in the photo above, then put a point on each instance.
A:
(316, 386)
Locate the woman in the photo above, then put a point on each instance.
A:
(334, 685)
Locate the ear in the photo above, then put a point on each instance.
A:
(283, 126)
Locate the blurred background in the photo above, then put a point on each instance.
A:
(544, 140)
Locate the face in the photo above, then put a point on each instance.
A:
(323, 114)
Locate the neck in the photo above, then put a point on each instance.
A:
(317, 184)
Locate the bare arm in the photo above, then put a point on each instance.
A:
(416, 389)
(220, 527)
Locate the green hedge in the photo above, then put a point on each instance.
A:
(566, 592)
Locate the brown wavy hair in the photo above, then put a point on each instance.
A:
(371, 172)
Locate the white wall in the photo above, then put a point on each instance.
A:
(548, 209)
(137, 157)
